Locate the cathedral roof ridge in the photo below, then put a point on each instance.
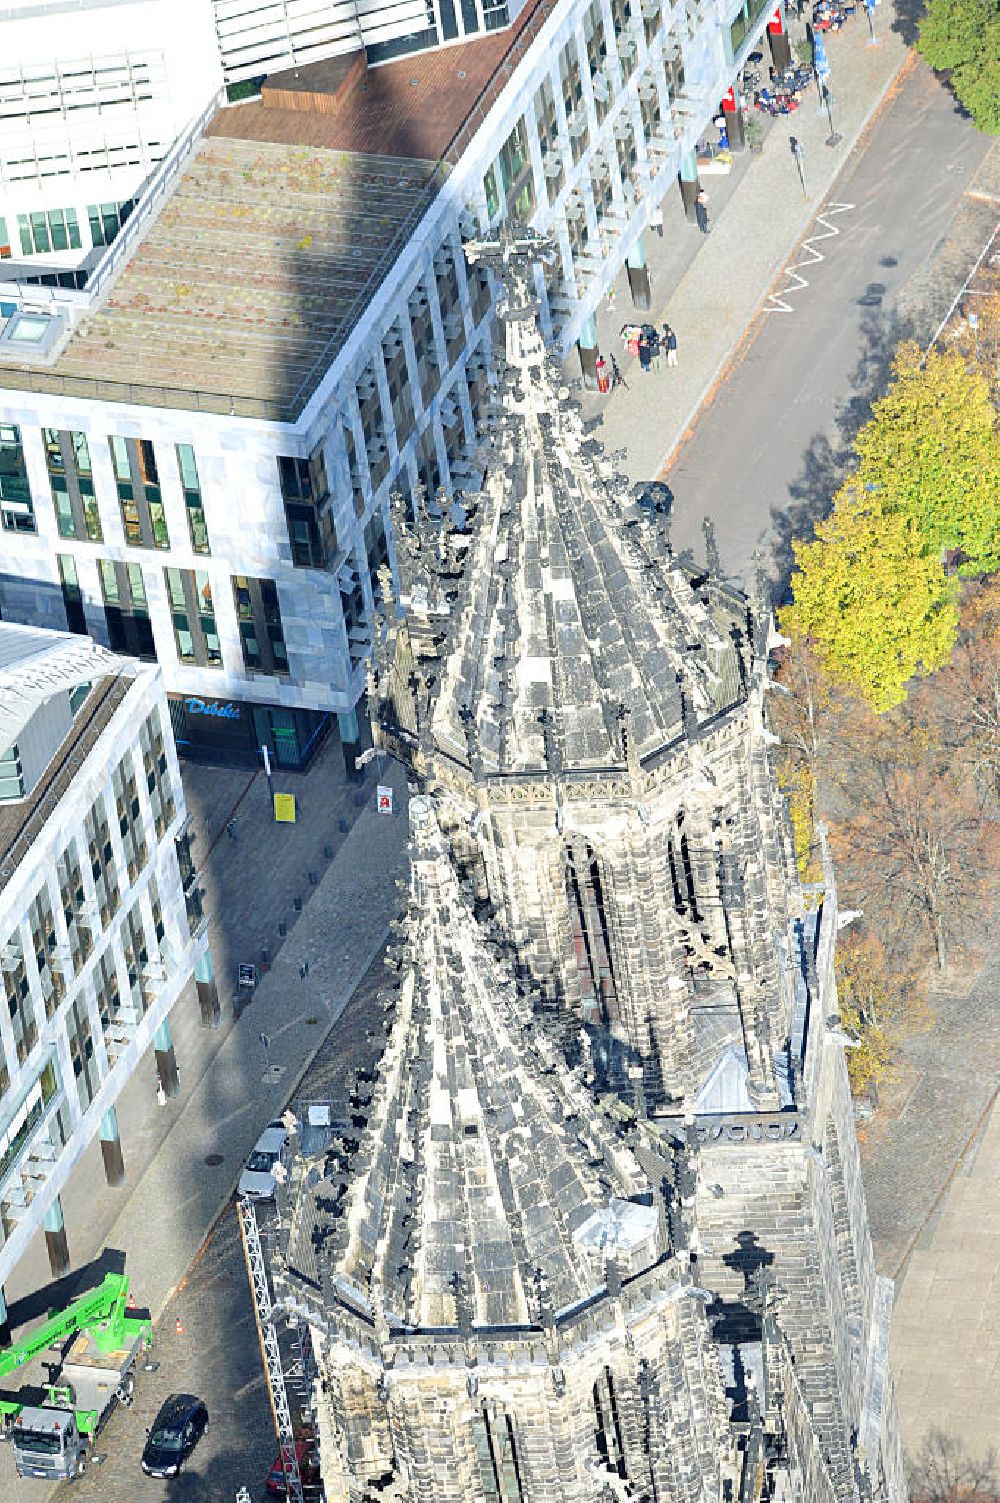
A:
(487, 1169)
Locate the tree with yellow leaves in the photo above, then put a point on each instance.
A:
(932, 450)
(870, 598)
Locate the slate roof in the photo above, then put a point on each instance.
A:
(572, 607)
(483, 1161)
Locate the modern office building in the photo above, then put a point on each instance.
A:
(100, 915)
(195, 462)
(92, 97)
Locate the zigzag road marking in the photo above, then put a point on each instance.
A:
(775, 302)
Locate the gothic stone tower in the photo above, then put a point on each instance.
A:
(498, 1282)
(589, 711)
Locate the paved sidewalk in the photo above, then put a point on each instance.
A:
(710, 288)
(945, 1347)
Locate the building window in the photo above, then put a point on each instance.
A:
(43, 940)
(496, 1449)
(515, 173)
(139, 496)
(591, 934)
(129, 811)
(42, 233)
(189, 881)
(81, 1052)
(357, 484)
(11, 775)
(5, 251)
(107, 219)
(109, 1005)
(610, 1442)
(261, 634)
(126, 609)
(16, 510)
(492, 194)
(548, 140)
(15, 980)
(197, 526)
(76, 620)
(308, 510)
(572, 93)
(192, 610)
(102, 860)
(71, 478)
(494, 15)
(157, 771)
(136, 953)
(74, 906)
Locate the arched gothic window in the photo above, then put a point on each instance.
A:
(591, 930)
(610, 1444)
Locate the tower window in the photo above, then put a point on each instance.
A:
(497, 1452)
(591, 930)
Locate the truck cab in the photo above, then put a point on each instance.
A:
(48, 1444)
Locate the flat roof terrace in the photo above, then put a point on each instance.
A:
(279, 232)
(259, 264)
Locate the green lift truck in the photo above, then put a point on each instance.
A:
(52, 1439)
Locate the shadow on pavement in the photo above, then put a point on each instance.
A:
(61, 1292)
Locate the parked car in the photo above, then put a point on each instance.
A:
(257, 1179)
(173, 1435)
(307, 1456)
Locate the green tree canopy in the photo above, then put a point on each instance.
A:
(962, 37)
(932, 450)
(870, 597)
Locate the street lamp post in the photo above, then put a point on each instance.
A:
(834, 138)
(799, 153)
(870, 15)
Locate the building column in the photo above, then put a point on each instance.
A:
(111, 1149)
(690, 185)
(734, 120)
(55, 1240)
(777, 38)
(208, 992)
(587, 345)
(350, 742)
(638, 275)
(5, 1336)
(166, 1063)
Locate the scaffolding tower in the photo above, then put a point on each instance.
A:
(270, 1352)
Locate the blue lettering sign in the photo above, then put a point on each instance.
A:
(204, 707)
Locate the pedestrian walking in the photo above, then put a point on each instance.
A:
(603, 375)
(645, 352)
(701, 211)
(617, 379)
(670, 342)
(655, 351)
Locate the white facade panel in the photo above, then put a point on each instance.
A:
(88, 978)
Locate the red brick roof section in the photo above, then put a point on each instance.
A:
(410, 108)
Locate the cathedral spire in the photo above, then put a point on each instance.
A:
(569, 604)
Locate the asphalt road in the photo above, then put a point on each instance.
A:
(766, 453)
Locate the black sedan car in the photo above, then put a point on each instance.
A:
(175, 1432)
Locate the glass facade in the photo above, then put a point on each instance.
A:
(71, 480)
(197, 526)
(17, 512)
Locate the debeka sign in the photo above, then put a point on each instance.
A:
(215, 708)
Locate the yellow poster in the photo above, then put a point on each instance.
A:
(284, 808)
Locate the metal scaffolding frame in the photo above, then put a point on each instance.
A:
(270, 1352)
